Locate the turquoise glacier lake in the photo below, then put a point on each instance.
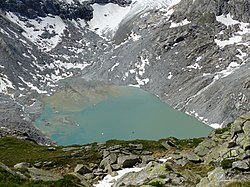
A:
(126, 114)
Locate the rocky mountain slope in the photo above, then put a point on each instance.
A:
(220, 160)
(192, 54)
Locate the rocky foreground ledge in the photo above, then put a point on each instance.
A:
(221, 159)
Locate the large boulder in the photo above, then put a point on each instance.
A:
(110, 159)
(82, 169)
(128, 161)
(214, 179)
(22, 165)
(193, 158)
(241, 165)
(246, 127)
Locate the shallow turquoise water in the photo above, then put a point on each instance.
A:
(134, 115)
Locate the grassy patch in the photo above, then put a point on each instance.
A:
(13, 151)
(227, 163)
(200, 169)
(9, 180)
(158, 182)
(148, 145)
(239, 184)
(224, 129)
(188, 143)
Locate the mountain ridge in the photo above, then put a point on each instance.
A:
(196, 62)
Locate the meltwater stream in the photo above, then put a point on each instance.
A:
(124, 113)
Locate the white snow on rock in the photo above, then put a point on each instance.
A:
(237, 37)
(226, 20)
(108, 180)
(134, 36)
(5, 83)
(194, 66)
(232, 40)
(141, 67)
(170, 75)
(182, 23)
(32, 87)
(242, 55)
(114, 66)
(34, 28)
(198, 58)
(106, 18)
(229, 70)
(215, 125)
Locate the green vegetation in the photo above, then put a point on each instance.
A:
(239, 184)
(158, 182)
(9, 180)
(13, 151)
(200, 169)
(168, 167)
(227, 163)
(188, 143)
(223, 130)
(149, 145)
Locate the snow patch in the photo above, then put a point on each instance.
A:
(170, 75)
(237, 37)
(198, 58)
(53, 26)
(108, 180)
(230, 41)
(5, 83)
(182, 23)
(106, 18)
(114, 66)
(242, 55)
(215, 125)
(226, 20)
(134, 36)
(229, 70)
(32, 87)
(194, 66)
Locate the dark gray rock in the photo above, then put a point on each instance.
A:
(128, 161)
(169, 145)
(43, 8)
(82, 169)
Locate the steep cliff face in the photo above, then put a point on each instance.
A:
(193, 54)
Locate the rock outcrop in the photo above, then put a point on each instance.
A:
(230, 163)
(41, 8)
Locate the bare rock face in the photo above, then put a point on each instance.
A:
(186, 54)
(38, 8)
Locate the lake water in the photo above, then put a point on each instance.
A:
(124, 113)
